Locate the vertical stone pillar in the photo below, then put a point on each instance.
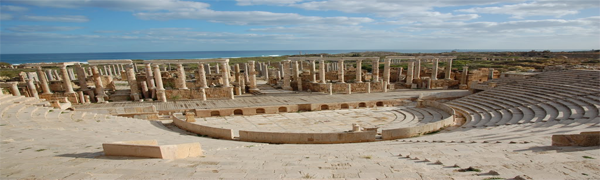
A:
(358, 71)
(400, 74)
(203, 94)
(201, 76)
(81, 77)
(386, 70)
(236, 72)
(349, 90)
(81, 97)
(207, 69)
(322, 71)
(98, 83)
(286, 75)
(375, 71)
(368, 87)
(71, 73)
(217, 69)
(463, 78)
(435, 69)
(135, 68)
(418, 69)
(330, 88)
(491, 74)
(448, 68)
(43, 81)
(385, 86)
(181, 76)
(252, 75)
(66, 79)
(225, 74)
(108, 71)
(160, 89)
(150, 81)
(409, 73)
(266, 75)
(341, 71)
(32, 89)
(49, 75)
(313, 72)
(132, 81)
(14, 88)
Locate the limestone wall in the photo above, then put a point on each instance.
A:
(292, 108)
(398, 133)
(307, 138)
(582, 139)
(151, 149)
(214, 93)
(220, 133)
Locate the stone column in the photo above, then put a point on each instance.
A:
(43, 81)
(322, 71)
(236, 72)
(207, 68)
(435, 69)
(81, 97)
(132, 81)
(491, 74)
(66, 79)
(358, 71)
(32, 89)
(49, 75)
(375, 71)
(386, 71)
(217, 69)
(330, 88)
(71, 73)
(150, 81)
(385, 86)
(252, 75)
(463, 78)
(203, 94)
(14, 88)
(145, 92)
(181, 79)
(400, 74)
(341, 71)
(201, 76)
(135, 68)
(448, 68)
(98, 83)
(160, 89)
(368, 87)
(81, 77)
(286, 75)
(418, 69)
(225, 74)
(409, 73)
(313, 72)
(266, 74)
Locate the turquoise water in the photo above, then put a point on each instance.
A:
(83, 57)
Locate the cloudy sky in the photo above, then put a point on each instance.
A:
(46, 26)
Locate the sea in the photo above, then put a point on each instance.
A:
(83, 57)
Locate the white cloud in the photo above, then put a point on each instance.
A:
(124, 5)
(266, 2)
(26, 28)
(4, 16)
(252, 17)
(13, 8)
(55, 18)
(537, 8)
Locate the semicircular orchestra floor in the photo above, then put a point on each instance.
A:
(306, 122)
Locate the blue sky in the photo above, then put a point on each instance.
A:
(74, 26)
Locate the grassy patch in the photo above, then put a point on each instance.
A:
(588, 157)
(308, 176)
(40, 150)
(50, 110)
(2, 124)
(367, 157)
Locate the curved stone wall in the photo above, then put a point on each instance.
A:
(203, 130)
(307, 138)
(407, 132)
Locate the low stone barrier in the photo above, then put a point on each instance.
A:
(151, 149)
(220, 133)
(407, 132)
(307, 138)
(591, 138)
